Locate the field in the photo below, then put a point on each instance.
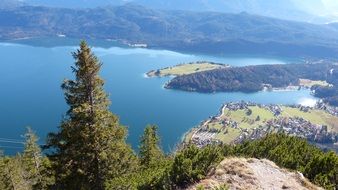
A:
(232, 123)
(184, 69)
(245, 121)
(318, 117)
(309, 83)
(230, 136)
(248, 121)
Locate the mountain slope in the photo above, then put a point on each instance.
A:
(309, 11)
(74, 3)
(206, 32)
(241, 173)
(8, 4)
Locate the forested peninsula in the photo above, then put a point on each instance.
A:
(250, 79)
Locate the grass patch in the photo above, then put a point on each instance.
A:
(184, 69)
(309, 83)
(318, 117)
(230, 135)
(215, 125)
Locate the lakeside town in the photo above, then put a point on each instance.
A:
(241, 121)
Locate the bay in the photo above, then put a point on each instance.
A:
(30, 95)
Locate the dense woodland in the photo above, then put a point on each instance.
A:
(89, 151)
(255, 78)
(330, 93)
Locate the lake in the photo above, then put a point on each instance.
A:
(30, 79)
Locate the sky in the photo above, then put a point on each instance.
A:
(331, 5)
(321, 7)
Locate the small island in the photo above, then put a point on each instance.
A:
(185, 69)
(242, 121)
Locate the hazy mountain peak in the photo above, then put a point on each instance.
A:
(5, 4)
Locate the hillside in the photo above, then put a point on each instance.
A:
(283, 9)
(322, 78)
(202, 32)
(7, 4)
(251, 78)
(242, 173)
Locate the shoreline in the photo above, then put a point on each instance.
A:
(281, 89)
(201, 124)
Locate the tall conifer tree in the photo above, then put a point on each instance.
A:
(150, 151)
(14, 174)
(3, 177)
(90, 147)
(33, 162)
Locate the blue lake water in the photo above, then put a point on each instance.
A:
(30, 95)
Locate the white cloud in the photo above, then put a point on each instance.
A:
(331, 5)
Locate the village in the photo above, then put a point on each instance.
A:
(241, 121)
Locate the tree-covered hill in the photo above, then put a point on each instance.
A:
(256, 78)
(206, 32)
(250, 78)
(315, 11)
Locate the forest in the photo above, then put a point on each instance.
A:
(89, 151)
(328, 93)
(255, 78)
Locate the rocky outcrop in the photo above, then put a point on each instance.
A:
(242, 173)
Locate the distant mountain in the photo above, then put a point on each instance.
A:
(71, 3)
(6, 4)
(207, 32)
(316, 11)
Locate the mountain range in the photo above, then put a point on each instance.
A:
(315, 11)
(205, 32)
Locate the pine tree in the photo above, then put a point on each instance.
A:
(33, 162)
(3, 180)
(150, 151)
(14, 174)
(153, 173)
(90, 147)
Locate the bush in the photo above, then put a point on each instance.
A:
(192, 164)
